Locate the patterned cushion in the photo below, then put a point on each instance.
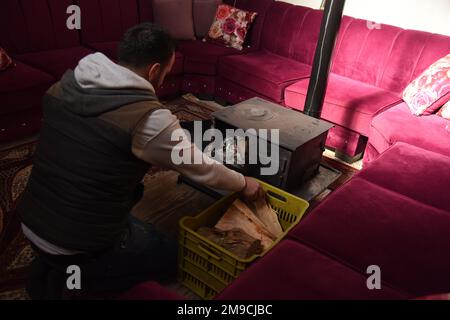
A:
(5, 60)
(231, 26)
(445, 111)
(430, 90)
(176, 17)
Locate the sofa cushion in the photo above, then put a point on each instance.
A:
(170, 87)
(107, 20)
(199, 84)
(398, 125)
(202, 57)
(5, 60)
(292, 31)
(370, 154)
(145, 10)
(263, 72)
(402, 163)
(277, 33)
(412, 53)
(348, 103)
(364, 224)
(204, 13)
(14, 126)
(234, 93)
(55, 62)
(22, 87)
(387, 57)
(176, 17)
(292, 271)
(177, 68)
(38, 25)
(109, 48)
(361, 53)
(444, 112)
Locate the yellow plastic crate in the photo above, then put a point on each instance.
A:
(205, 267)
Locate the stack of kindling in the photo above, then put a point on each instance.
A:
(246, 230)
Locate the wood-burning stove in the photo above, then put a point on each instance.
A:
(301, 140)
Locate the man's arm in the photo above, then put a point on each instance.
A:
(152, 142)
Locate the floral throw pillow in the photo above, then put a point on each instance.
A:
(445, 111)
(5, 60)
(231, 26)
(430, 90)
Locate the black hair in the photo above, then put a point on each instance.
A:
(146, 44)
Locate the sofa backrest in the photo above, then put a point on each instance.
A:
(385, 56)
(292, 31)
(360, 52)
(304, 44)
(35, 25)
(145, 10)
(381, 55)
(107, 20)
(259, 6)
(272, 34)
(412, 54)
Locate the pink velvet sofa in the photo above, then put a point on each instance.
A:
(43, 48)
(371, 66)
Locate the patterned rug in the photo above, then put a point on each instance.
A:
(15, 168)
(15, 253)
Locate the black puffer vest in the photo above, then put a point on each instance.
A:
(85, 178)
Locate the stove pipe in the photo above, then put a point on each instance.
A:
(322, 60)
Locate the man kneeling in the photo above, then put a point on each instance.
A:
(103, 128)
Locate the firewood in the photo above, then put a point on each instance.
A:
(240, 216)
(268, 216)
(237, 241)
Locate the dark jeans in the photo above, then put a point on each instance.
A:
(142, 254)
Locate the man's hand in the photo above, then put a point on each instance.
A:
(252, 189)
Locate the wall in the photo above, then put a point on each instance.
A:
(426, 15)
